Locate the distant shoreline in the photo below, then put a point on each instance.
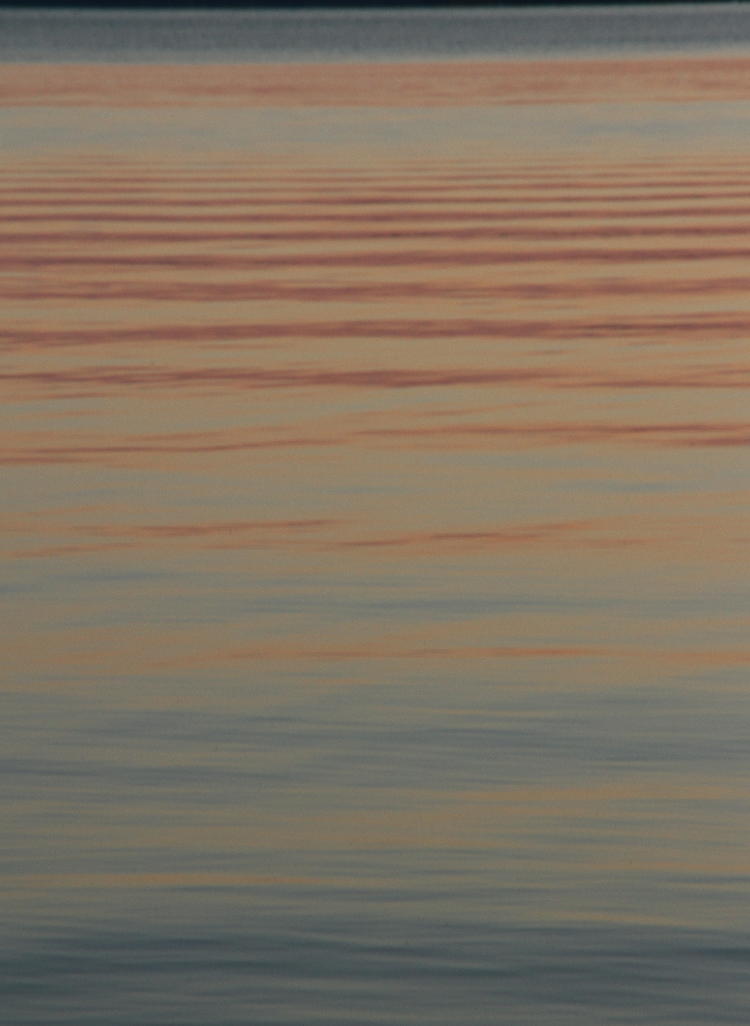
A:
(310, 5)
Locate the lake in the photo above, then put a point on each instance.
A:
(375, 454)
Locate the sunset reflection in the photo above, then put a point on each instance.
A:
(375, 440)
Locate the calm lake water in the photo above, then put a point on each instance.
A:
(267, 35)
(375, 454)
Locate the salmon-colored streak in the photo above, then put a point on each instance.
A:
(458, 234)
(471, 435)
(157, 450)
(96, 382)
(375, 259)
(705, 326)
(201, 291)
(300, 196)
(320, 532)
(356, 538)
(107, 537)
(155, 214)
(110, 450)
(405, 83)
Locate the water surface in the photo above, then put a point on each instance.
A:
(375, 603)
(359, 33)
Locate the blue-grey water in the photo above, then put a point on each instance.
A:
(375, 450)
(352, 34)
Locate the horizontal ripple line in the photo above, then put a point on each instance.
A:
(115, 215)
(193, 237)
(243, 377)
(560, 329)
(397, 258)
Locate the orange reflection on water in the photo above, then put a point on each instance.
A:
(438, 84)
(274, 376)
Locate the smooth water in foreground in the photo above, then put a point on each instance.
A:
(375, 452)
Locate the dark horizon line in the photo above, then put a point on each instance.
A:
(204, 5)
